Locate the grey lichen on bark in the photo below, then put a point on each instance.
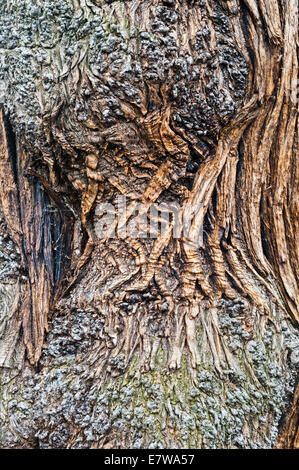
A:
(150, 342)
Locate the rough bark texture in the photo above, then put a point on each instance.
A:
(150, 341)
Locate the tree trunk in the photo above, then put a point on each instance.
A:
(149, 214)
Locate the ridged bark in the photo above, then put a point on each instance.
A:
(150, 341)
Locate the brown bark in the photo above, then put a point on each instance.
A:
(289, 436)
(162, 102)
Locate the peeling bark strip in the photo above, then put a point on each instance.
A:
(162, 102)
(41, 235)
(289, 437)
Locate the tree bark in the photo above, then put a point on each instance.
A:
(182, 332)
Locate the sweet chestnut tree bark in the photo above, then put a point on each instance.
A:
(149, 223)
